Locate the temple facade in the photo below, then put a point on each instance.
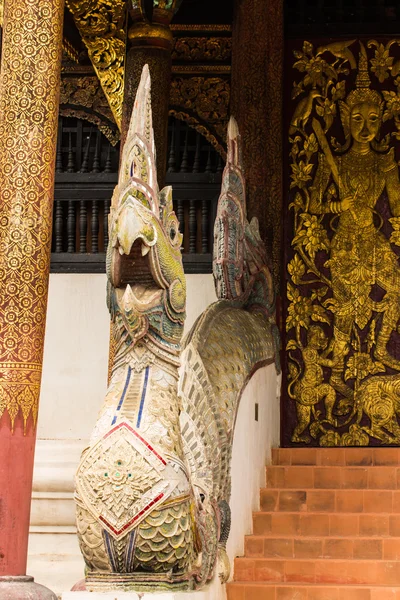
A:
(198, 388)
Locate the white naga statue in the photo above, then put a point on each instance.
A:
(153, 487)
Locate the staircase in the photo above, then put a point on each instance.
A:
(328, 528)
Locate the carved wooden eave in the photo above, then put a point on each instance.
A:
(70, 53)
(102, 26)
(200, 86)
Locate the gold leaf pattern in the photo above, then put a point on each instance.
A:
(101, 25)
(343, 272)
(28, 126)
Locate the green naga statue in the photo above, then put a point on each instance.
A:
(152, 488)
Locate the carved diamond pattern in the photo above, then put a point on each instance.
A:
(119, 480)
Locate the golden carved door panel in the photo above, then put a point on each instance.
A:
(342, 231)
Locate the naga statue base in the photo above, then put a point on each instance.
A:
(23, 587)
(118, 595)
(138, 582)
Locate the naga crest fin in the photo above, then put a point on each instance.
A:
(240, 264)
(233, 181)
(233, 142)
(138, 167)
(230, 223)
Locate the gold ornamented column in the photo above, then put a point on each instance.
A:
(150, 43)
(29, 92)
(256, 103)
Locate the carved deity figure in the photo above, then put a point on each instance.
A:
(361, 256)
(344, 272)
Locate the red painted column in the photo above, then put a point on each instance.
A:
(29, 93)
(16, 466)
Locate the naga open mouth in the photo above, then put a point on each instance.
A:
(133, 272)
(134, 269)
(143, 260)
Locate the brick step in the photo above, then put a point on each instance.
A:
(343, 501)
(257, 591)
(310, 477)
(310, 524)
(336, 456)
(318, 571)
(322, 547)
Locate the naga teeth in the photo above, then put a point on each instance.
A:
(145, 249)
(128, 292)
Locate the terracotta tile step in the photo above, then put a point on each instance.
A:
(318, 571)
(336, 456)
(256, 591)
(322, 547)
(348, 501)
(374, 478)
(277, 524)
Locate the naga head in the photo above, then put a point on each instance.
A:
(240, 261)
(146, 280)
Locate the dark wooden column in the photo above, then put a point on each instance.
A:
(256, 103)
(150, 43)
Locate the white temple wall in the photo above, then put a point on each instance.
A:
(75, 360)
(73, 387)
(252, 445)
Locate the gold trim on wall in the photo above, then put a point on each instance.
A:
(198, 69)
(208, 28)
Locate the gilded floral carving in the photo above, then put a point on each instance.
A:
(102, 27)
(80, 93)
(203, 98)
(28, 125)
(202, 49)
(343, 276)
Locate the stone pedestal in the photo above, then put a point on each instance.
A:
(54, 557)
(23, 587)
(115, 596)
(202, 595)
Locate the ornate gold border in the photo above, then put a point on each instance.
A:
(102, 27)
(207, 28)
(193, 69)
(29, 98)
